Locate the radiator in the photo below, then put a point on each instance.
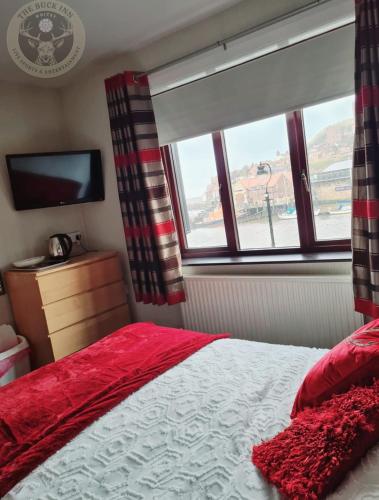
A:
(314, 311)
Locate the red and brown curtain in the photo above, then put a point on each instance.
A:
(365, 225)
(150, 233)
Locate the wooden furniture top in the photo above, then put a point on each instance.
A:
(81, 260)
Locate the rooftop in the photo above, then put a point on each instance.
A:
(340, 165)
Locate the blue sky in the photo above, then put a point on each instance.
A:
(253, 142)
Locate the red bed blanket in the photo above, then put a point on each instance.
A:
(41, 412)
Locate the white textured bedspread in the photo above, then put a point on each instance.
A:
(188, 434)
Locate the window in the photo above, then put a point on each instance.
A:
(199, 196)
(261, 182)
(277, 185)
(329, 133)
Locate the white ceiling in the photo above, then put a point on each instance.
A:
(113, 27)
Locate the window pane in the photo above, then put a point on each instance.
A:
(264, 201)
(199, 192)
(329, 133)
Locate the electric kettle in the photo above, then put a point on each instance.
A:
(60, 246)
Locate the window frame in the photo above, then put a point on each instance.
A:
(303, 200)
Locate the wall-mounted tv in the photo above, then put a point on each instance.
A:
(55, 179)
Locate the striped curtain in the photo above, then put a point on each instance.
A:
(150, 233)
(365, 230)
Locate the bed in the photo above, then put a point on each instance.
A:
(188, 433)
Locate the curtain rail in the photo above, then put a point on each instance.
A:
(224, 42)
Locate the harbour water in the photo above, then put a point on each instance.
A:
(256, 234)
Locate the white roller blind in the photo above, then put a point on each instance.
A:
(311, 71)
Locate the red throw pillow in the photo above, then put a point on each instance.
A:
(354, 361)
(311, 457)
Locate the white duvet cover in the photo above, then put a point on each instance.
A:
(188, 434)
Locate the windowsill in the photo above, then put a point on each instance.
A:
(304, 258)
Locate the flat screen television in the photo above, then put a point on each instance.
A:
(55, 179)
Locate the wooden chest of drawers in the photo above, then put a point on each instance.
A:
(64, 309)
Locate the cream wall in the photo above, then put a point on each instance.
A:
(30, 121)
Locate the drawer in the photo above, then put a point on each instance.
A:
(62, 284)
(74, 309)
(75, 337)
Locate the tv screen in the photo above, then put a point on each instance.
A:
(55, 179)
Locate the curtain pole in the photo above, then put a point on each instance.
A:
(224, 42)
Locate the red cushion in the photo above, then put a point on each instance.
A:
(354, 361)
(311, 457)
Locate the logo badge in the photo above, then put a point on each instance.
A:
(46, 38)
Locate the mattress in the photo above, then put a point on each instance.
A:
(188, 434)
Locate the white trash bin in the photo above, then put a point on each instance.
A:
(14, 362)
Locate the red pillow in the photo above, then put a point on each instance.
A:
(311, 457)
(354, 361)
